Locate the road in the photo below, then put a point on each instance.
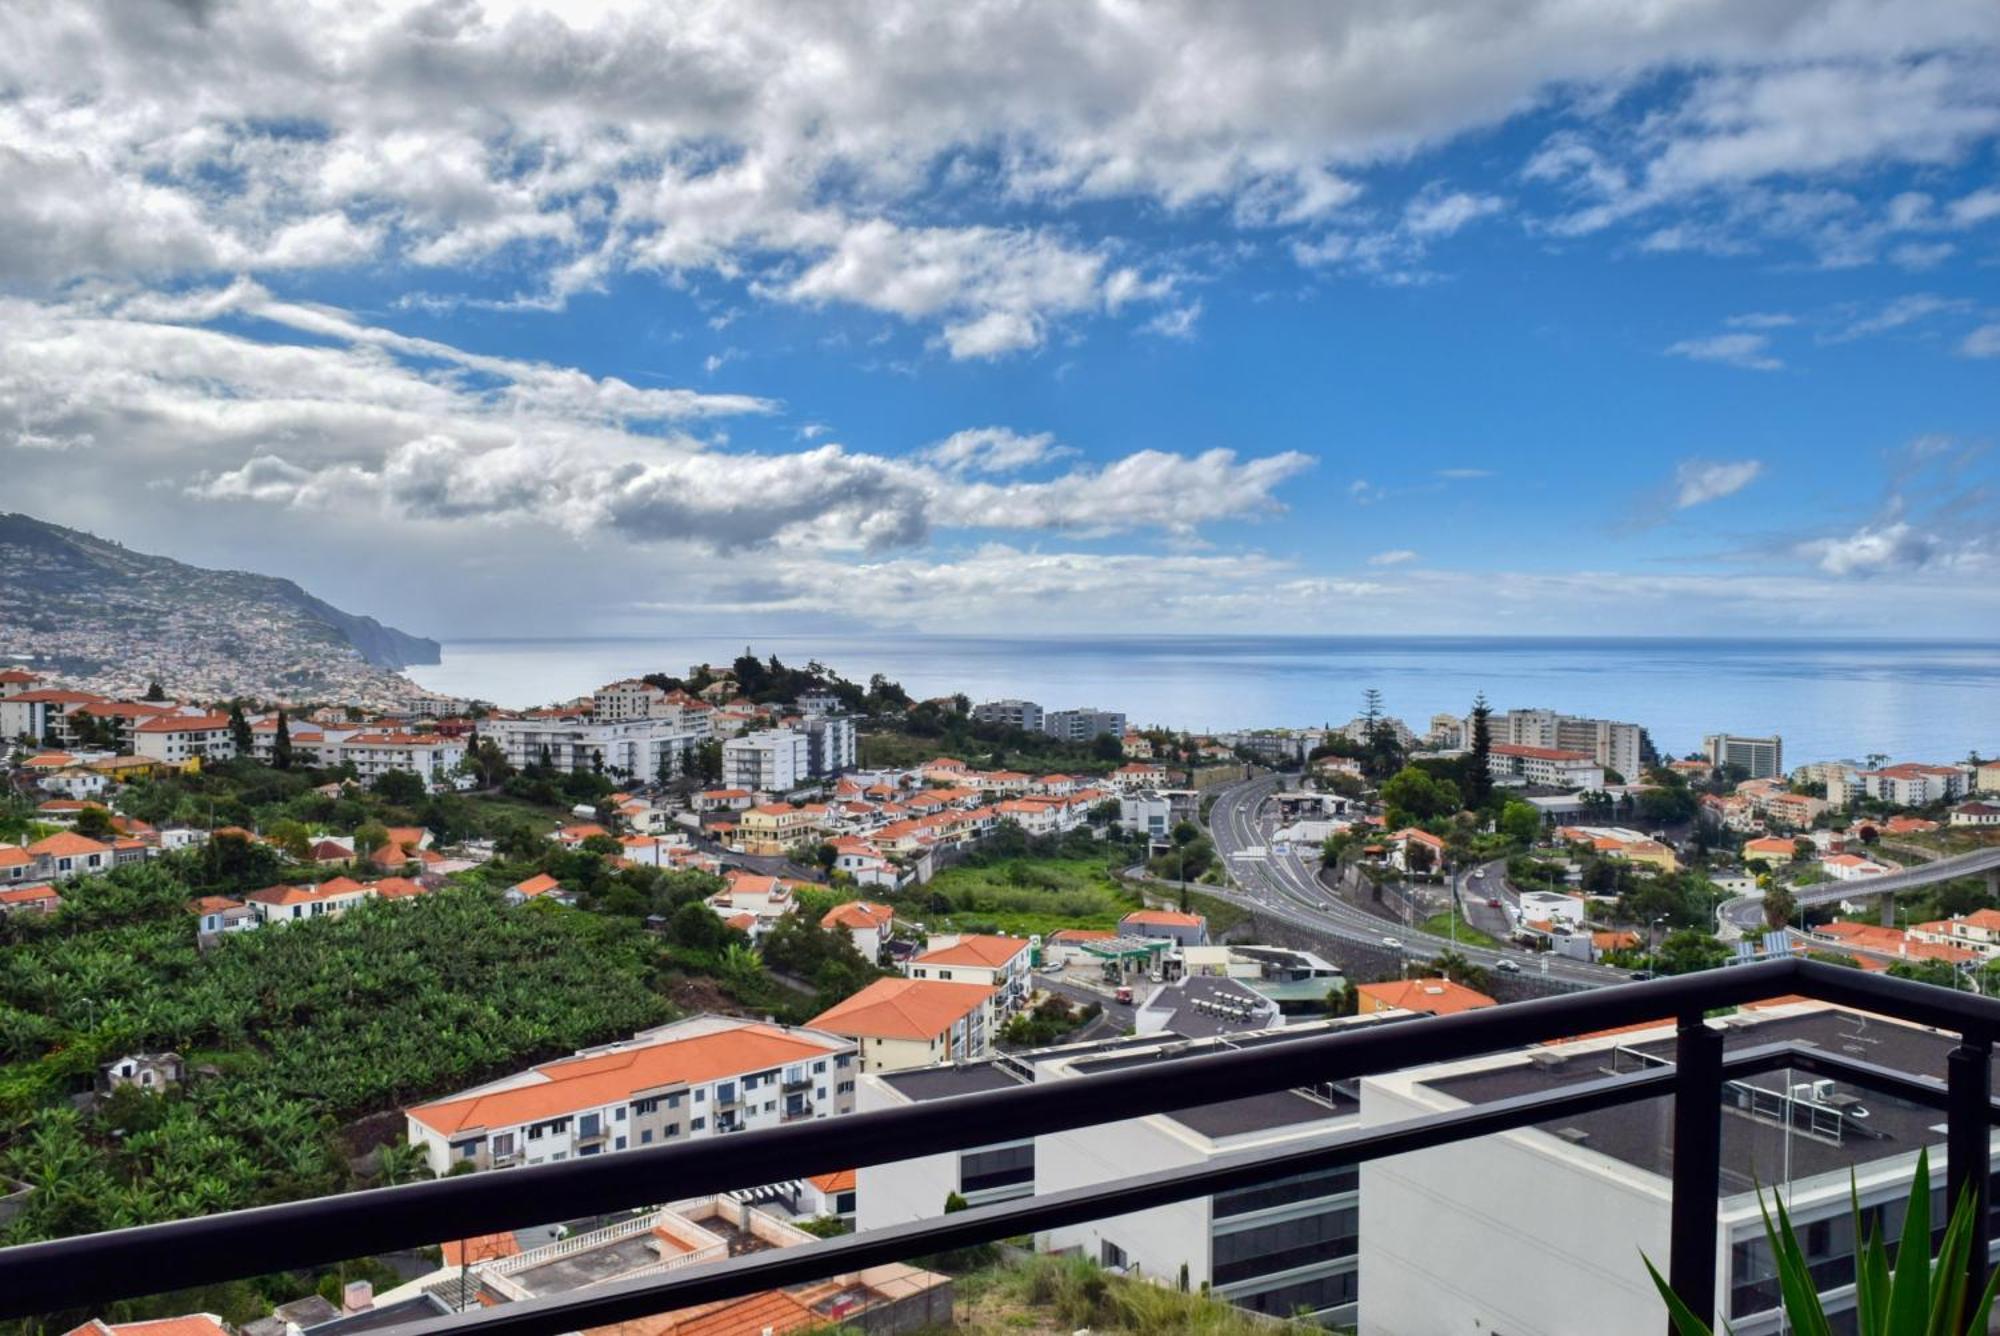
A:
(1282, 886)
(1746, 912)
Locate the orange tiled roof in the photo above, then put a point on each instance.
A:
(67, 844)
(573, 1084)
(1164, 918)
(1439, 997)
(976, 949)
(858, 914)
(919, 1009)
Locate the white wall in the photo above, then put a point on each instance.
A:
(1517, 1234)
(1157, 1241)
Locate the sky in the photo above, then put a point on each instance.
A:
(1644, 317)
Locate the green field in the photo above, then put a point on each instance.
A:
(1440, 925)
(1024, 896)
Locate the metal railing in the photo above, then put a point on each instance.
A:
(92, 1269)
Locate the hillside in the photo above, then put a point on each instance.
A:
(106, 617)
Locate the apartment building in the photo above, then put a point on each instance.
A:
(776, 760)
(1025, 715)
(769, 830)
(1913, 785)
(179, 738)
(1612, 745)
(999, 963)
(1446, 1244)
(1544, 767)
(831, 745)
(903, 1023)
(1281, 1248)
(641, 748)
(1083, 724)
(699, 1077)
(1757, 758)
(429, 755)
(39, 712)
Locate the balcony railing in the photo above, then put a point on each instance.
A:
(90, 1270)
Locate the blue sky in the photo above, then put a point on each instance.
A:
(1430, 317)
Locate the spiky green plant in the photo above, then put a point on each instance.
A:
(1921, 1297)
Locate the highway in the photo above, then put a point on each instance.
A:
(1746, 912)
(1282, 886)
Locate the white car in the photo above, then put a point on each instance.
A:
(1394, 943)
(1507, 967)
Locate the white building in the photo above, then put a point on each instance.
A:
(1612, 745)
(1544, 767)
(1083, 724)
(776, 760)
(1000, 963)
(694, 1078)
(1541, 1230)
(640, 748)
(1758, 758)
(830, 745)
(903, 1023)
(1912, 785)
(429, 755)
(178, 739)
(1279, 1249)
(1025, 715)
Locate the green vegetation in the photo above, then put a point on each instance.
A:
(1445, 924)
(1022, 896)
(320, 1022)
(1065, 1294)
(1051, 1020)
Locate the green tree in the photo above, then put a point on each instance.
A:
(1781, 907)
(1413, 795)
(1688, 950)
(281, 744)
(1478, 780)
(155, 692)
(404, 788)
(1520, 822)
(93, 823)
(239, 728)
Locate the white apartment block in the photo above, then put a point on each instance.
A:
(1541, 1230)
(1278, 1249)
(640, 748)
(429, 755)
(776, 760)
(1758, 758)
(831, 745)
(1613, 745)
(181, 738)
(700, 1077)
(1001, 963)
(1083, 724)
(1544, 767)
(1911, 785)
(1025, 715)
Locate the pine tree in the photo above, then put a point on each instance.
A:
(239, 728)
(1478, 779)
(155, 692)
(281, 744)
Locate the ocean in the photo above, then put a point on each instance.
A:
(1829, 699)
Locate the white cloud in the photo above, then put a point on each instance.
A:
(1761, 320)
(1871, 549)
(993, 450)
(1749, 351)
(1701, 480)
(1176, 322)
(1393, 557)
(1897, 314)
(1440, 214)
(1982, 342)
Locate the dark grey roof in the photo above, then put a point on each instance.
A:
(1193, 1007)
(925, 1083)
(388, 1315)
(1253, 1113)
(1754, 1143)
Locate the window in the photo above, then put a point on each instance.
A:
(819, 1066)
(590, 1125)
(619, 1144)
(847, 1087)
(698, 1124)
(1283, 1192)
(1312, 1295)
(1265, 1249)
(982, 1170)
(1109, 1253)
(701, 1096)
(646, 1136)
(503, 1143)
(618, 1114)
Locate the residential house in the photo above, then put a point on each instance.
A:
(1976, 814)
(537, 887)
(1000, 963)
(36, 898)
(219, 914)
(1773, 849)
(866, 923)
(1431, 997)
(142, 1071)
(176, 739)
(1401, 846)
(903, 1023)
(292, 904)
(771, 829)
(1978, 931)
(1618, 842)
(1851, 867)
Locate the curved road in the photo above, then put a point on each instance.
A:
(1746, 912)
(1284, 887)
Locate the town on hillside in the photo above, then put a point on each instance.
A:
(749, 895)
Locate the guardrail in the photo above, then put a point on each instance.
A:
(92, 1269)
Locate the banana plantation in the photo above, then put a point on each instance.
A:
(290, 1034)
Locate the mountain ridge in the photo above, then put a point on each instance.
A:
(94, 607)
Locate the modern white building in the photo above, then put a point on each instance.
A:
(432, 756)
(1281, 1249)
(776, 760)
(1540, 1231)
(1000, 963)
(830, 745)
(1025, 715)
(1913, 785)
(1544, 767)
(694, 1078)
(639, 748)
(1758, 758)
(903, 1023)
(1612, 745)
(1083, 724)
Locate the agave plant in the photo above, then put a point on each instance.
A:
(1918, 1298)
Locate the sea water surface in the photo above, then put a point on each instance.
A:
(1828, 699)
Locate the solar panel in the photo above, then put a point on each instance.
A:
(1777, 943)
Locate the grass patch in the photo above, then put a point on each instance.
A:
(1066, 1294)
(1442, 925)
(499, 806)
(1023, 896)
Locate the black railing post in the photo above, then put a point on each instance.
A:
(1697, 1163)
(1969, 1145)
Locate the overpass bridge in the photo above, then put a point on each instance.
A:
(1746, 912)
